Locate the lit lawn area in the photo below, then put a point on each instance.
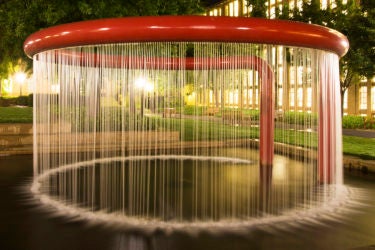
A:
(360, 147)
(16, 115)
(205, 130)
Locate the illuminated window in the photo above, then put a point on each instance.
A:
(235, 8)
(309, 97)
(299, 5)
(231, 9)
(273, 12)
(300, 97)
(280, 100)
(300, 75)
(273, 55)
(373, 98)
(323, 4)
(226, 13)
(211, 13)
(363, 97)
(291, 75)
(280, 58)
(291, 5)
(250, 77)
(333, 4)
(245, 8)
(291, 97)
(281, 76)
(344, 2)
(345, 101)
(256, 97)
(250, 96)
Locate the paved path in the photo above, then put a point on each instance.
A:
(359, 133)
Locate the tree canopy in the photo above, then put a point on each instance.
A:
(20, 18)
(358, 24)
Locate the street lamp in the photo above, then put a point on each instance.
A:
(20, 78)
(144, 86)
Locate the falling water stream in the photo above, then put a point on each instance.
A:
(152, 132)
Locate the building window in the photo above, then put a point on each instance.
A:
(281, 76)
(373, 98)
(299, 5)
(291, 97)
(245, 7)
(309, 97)
(323, 4)
(233, 8)
(292, 75)
(273, 12)
(280, 98)
(214, 12)
(363, 97)
(333, 4)
(280, 55)
(250, 96)
(345, 101)
(299, 75)
(235, 3)
(300, 97)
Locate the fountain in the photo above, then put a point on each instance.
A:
(188, 119)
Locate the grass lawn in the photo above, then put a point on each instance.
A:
(205, 130)
(191, 129)
(16, 115)
(360, 147)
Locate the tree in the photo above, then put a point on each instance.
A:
(20, 18)
(258, 8)
(357, 22)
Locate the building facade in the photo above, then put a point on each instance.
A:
(359, 99)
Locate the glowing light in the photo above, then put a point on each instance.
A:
(20, 77)
(143, 84)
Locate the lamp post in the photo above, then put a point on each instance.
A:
(20, 78)
(144, 86)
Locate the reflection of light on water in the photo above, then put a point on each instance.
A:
(279, 170)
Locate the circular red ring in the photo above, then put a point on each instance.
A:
(189, 29)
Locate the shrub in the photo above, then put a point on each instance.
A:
(252, 113)
(194, 110)
(14, 101)
(353, 121)
(293, 117)
(369, 123)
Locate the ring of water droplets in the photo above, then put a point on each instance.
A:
(333, 198)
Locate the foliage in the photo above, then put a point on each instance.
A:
(258, 7)
(360, 147)
(195, 129)
(357, 22)
(20, 18)
(369, 123)
(21, 101)
(293, 117)
(16, 115)
(193, 110)
(353, 121)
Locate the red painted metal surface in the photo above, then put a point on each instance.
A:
(187, 28)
